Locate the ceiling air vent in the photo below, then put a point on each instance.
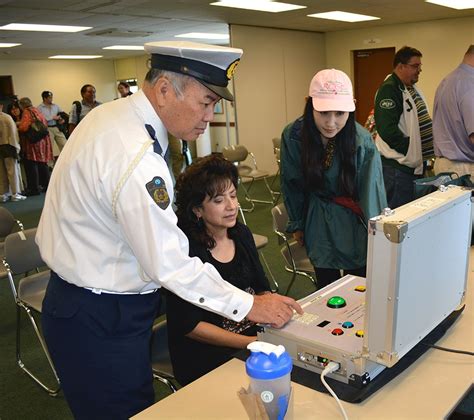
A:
(113, 32)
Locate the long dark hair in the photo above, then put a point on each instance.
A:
(15, 105)
(208, 176)
(312, 154)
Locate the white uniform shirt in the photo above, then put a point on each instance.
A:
(141, 248)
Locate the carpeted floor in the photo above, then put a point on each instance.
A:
(20, 397)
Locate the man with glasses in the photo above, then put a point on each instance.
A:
(80, 109)
(404, 126)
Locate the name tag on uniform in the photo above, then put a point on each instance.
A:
(158, 192)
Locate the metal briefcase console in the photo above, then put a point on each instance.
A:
(418, 259)
(417, 268)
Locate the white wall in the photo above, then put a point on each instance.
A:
(442, 43)
(63, 77)
(271, 83)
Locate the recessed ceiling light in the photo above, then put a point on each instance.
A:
(343, 16)
(125, 47)
(42, 28)
(8, 45)
(260, 5)
(454, 4)
(202, 35)
(75, 57)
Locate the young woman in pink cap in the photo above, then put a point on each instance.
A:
(331, 179)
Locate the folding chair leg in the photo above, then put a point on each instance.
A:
(275, 194)
(247, 198)
(51, 391)
(301, 273)
(165, 381)
(269, 272)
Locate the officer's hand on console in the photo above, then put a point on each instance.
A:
(273, 309)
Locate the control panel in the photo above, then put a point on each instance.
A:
(333, 315)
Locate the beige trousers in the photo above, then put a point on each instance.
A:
(59, 140)
(446, 165)
(9, 176)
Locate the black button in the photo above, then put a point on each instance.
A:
(201, 300)
(235, 312)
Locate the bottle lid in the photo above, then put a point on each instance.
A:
(267, 361)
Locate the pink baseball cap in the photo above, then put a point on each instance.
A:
(331, 90)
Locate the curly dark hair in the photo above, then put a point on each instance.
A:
(312, 154)
(208, 176)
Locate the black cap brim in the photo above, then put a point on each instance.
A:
(222, 91)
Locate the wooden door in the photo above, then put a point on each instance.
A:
(371, 66)
(6, 86)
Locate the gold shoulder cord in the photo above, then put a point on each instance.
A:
(126, 175)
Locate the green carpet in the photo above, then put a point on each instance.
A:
(20, 397)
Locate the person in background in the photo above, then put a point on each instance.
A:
(453, 120)
(14, 111)
(331, 179)
(124, 89)
(108, 232)
(10, 185)
(404, 128)
(207, 210)
(52, 112)
(81, 108)
(35, 155)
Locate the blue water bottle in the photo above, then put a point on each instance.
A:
(269, 368)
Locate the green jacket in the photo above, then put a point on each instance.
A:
(334, 236)
(398, 130)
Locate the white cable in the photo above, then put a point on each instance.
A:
(332, 367)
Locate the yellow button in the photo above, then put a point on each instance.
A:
(360, 288)
(360, 333)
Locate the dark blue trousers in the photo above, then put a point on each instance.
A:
(100, 346)
(399, 186)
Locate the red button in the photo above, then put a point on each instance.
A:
(337, 331)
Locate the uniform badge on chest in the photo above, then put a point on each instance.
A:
(158, 192)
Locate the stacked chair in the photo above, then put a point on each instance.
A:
(295, 256)
(249, 172)
(22, 257)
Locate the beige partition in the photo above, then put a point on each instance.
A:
(132, 68)
(442, 43)
(271, 83)
(63, 77)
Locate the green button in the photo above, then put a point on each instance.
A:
(336, 302)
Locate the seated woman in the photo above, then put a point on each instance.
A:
(207, 209)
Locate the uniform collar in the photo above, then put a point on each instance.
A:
(145, 110)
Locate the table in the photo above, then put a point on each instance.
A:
(428, 389)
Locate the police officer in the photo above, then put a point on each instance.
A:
(109, 234)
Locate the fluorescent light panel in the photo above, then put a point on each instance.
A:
(260, 5)
(8, 45)
(343, 16)
(42, 28)
(125, 47)
(202, 35)
(74, 57)
(454, 4)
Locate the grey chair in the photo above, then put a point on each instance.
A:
(239, 155)
(261, 242)
(160, 356)
(22, 256)
(8, 224)
(295, 256)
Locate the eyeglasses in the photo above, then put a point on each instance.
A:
(414, 66)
